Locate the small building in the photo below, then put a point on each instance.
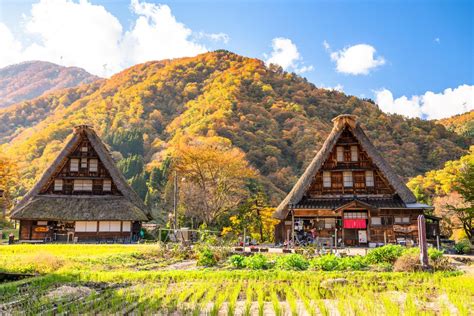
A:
(81, 195)
(3, 204)
(350, 195)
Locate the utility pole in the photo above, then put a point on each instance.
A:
(175, 200)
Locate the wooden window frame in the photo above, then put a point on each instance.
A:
(74, 165)
(345, 178)
(58, 185)
(94, 165)
(327, 179)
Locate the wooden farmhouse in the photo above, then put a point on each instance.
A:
(350, 195)
(81, 196)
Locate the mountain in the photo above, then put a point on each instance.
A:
(278, 119)
(31, 79)
(462, 124)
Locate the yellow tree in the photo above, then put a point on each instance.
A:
(213, 175)
(8, 180)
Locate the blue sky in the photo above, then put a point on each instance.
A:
(384, 50)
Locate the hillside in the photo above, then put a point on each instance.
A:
(462, 124)
(278, 119)
(31, 79)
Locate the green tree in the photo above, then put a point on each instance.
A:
(465, 187)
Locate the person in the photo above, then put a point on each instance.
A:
(11, 239)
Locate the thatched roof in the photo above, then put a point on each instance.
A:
(34, 203)
(340, 123)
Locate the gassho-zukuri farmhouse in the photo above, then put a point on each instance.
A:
(81, 196)
(350, 195)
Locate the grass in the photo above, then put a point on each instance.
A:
(121, 287)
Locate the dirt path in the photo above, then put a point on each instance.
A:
(183, 265)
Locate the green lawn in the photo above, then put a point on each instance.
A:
(104, 279)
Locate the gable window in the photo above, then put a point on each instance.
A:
(107, 186)
(347, 176)
(354, 153)
(84, 148)
(74, 164)
(326, 179)
(84, 163)
(93, 165)
(58, 185)
(369, 178)
(340, 153)
(82, 185)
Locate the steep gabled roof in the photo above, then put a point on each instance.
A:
(34, 204)
(340, 123)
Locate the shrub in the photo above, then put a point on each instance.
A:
(463, 247)
(408, 262)
(326, 263)
(385, 254)
(257, 262)
(237, 261)
(435, 254)
(206, 258)
(292, 262)
(352, 263)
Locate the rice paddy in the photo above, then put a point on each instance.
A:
(105, 286)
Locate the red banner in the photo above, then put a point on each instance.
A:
(355, 223)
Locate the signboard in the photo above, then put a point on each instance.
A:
(41, 229)
(403, 229)
(362, 236)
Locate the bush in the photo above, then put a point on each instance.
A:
(408, 262)
(435, 254)
(352, 263)
(326, 263)
(385, 254)
(257, 262)
(292, 262)
(463, 247)
(206, 258)
(237, 261)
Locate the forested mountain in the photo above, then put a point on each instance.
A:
(462, 124)
(31, 79)
(278, 119)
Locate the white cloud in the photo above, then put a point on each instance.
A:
(10, 48)
(429, 105)
(355, 60)
(216, 37)
(326, 45)
(437, 40)
(87, 35)
(286, 54)
(339, 87)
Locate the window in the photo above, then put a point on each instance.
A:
(326, 179)
(369, 178)
(58, 185)
(360, 215)
(89, 226)
(74, 164)
(126, 226)
(84, 163)
(402, 220)
(93, 165)
(376, 220)
(42, 223)
(107, 186)
(84, 148)
(340, 153)
(347, 178)
(82, 185)
(354, 153)
(109, 226)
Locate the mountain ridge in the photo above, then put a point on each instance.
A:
(278, 119)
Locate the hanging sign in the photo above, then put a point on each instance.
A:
(42, 229)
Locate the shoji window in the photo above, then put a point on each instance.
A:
(82, 185)
(58, 185)
(126, 226)
(354, 153)
(83, 163)
(74, 164)
(107, 186)
(369, 178)
(86, 226)
(109, 226)
(84, 148)
(340, 153)
(93, 165)
(347, 175)
(326, 179)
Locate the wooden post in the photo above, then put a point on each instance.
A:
(292, 224)
(384, 237)
(437, 242)
(422, 242)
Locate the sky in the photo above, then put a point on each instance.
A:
(415, 58)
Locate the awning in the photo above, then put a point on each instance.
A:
(355, 223)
